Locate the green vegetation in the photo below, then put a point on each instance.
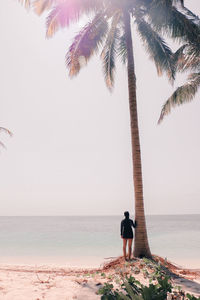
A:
(159, 288)
(134, 290)
(124, 285)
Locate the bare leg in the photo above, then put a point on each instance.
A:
(124, 247)
(129, 247)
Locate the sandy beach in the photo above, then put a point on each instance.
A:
(23, 282)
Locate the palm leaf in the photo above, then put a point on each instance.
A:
(190, 14)
(179, 58)
(86, 43)
(68, 11)
(6, 131)
(25, 3)
(181, 2)
(2, 145)
(178, 55)
(187, 57)
(167, 19)
(184, 27)
(191, 59)
(189, 62)
(183, 94)
(158, 50)
(110, 50)
(41, 5)
(61, 16)
(122, 50)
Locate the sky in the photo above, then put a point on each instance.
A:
(70, 153)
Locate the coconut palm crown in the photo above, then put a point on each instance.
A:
(186, 59)
(110, 29)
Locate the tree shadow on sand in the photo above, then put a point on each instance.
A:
(188, 279)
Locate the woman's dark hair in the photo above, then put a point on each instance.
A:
(126, 214)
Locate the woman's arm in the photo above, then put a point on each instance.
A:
(122, 228)
(134, 224)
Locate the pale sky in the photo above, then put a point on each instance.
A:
(70, 153)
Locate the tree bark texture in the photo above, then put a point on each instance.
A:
(141, 246)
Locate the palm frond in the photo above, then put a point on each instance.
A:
(187, 57)
(190, 59)
(122, 50)
(25, 3)
(2, 145)
(190, 14)
(194, 17)
(183, 27)
(41, 5)
(181, 2)
(86, 43)
(175, 24)
(183, 94)
(67, 11)
(158, 50)
(191, 63)
(179, 58)
(179, 53)
(6, 131)
(109, 51)
(60, 16)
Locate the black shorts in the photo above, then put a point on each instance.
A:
(127, 236)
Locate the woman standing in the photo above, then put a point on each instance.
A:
(127, 234)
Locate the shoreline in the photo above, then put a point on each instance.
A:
(86, 262)
(82, 261)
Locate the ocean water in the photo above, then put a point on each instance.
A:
(78, 239)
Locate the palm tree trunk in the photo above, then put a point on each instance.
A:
(141, 246)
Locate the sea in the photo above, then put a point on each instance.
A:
(89, 241)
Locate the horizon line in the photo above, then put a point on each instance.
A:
(100, 215)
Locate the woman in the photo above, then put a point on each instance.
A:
(127, 234)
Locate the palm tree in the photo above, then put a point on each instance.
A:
(111, 29)
(186, 58)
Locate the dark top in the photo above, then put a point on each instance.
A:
(126, 228)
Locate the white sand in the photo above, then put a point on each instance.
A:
(29, 282)
(54, 261)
